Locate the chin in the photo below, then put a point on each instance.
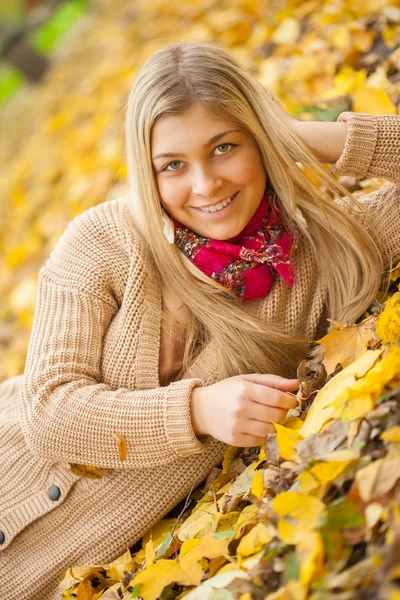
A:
(227, 234)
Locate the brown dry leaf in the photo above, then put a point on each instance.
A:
(379, 477)
(121, 443)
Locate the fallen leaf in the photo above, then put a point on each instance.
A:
(87, 471)
(287, 439)
(388, 325)
(257, 485)
(380, 476)
(121, 443)
(322, 408)
(257, 538)
(298, 513)
(344, 345)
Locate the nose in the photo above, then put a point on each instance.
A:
(205, 182)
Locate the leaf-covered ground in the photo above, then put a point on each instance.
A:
(315, 513)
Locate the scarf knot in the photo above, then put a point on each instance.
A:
(247, 263)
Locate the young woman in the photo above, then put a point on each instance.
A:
(176, 316)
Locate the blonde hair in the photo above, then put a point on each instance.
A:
(171, 81)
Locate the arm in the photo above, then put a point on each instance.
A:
(359, 144)
(371, 149)
(325, 139)
(67, 412)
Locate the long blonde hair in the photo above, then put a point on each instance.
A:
(170, 82)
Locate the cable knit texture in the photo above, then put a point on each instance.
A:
(92, 370)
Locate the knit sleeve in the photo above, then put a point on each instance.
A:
(67, 412)
(372, 149)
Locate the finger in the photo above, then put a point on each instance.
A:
(272, 397)
(265, 414)
(273, 381)
(249, 441)
(258, 428)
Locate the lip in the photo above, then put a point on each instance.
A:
(218, 212)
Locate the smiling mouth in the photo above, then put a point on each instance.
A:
(219, 206)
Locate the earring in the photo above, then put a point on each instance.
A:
(169, 229)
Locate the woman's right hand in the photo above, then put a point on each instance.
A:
(239, 410)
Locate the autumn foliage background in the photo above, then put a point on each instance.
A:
(315, 513)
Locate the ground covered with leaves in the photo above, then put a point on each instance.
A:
(63, 139)
(314, 514)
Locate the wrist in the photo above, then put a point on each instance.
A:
(196, 411)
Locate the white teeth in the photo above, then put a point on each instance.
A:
(218, 206)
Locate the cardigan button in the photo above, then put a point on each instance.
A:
(54, 492)
(2, 538)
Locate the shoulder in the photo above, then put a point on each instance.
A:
(95, 251)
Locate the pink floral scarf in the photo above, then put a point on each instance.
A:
(247, 262)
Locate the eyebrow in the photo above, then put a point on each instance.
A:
(211, 141)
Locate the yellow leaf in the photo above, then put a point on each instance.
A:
(293, 423)
(224, 521)
(257, 486)
(185, 570)
(394, 273)
(298, 513)
(199, 518)
(388, 325)
(262, 455)
(367, 389)
(187, 546)
(287, 439)
(150, 553)
(310, 554)
(307, 482)
(121, 443)
(154, 579)
(345, 345)
(363, 39)
(390, 38)
(322, 409)
(157, 533)
(373, 101)
(340, 37)
(356, 408)
(229, 456)
(392, 434)
(328, 471)
(248, 514)
(72, 575)
(208, 547)
(280, 594)
(125, 562)
(348, 79)
(253, 541)
(288, 32)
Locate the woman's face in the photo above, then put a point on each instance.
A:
(201, 160)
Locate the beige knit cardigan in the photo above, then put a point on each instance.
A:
(92, 370)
